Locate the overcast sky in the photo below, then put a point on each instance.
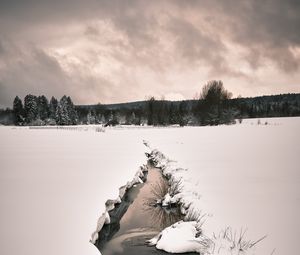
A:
(117, 51)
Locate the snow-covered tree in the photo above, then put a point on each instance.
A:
(101, 119)
(72, 112)
(52, 108)
(133, 118)
(65, 112)
(31, 108)
(18, 111)
(91, 117)
(62, 114)
(43, 107)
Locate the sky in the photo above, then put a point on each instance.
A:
(109, 51)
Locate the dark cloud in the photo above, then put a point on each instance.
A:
(194, 45)
(266, 29)
(1, 48)
(29, 70)
(113, 49)
(270, 29)
(197, 47)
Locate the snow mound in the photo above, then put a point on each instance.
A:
(181, 237)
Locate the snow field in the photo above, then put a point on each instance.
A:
(247, 177)
(54, 183)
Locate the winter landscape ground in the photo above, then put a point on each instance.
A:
(54, 182)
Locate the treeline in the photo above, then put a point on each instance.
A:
(37, 111)
(286, 105)
(213, 107)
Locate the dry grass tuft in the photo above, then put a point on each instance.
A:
(235, 241)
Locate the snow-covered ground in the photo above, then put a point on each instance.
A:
(248, 176)
(54, 183)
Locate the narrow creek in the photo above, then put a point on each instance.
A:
(136, 219)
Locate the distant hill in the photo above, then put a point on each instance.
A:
(270, 99)
(129, 105)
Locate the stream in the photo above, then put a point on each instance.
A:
(136, 219)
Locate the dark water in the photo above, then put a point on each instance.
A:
(136, 219)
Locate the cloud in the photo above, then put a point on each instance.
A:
(29, 69)
(116, 50)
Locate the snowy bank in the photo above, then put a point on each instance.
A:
(139, 177)
(247, 176)
(189, 235)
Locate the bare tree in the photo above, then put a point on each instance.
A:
(212, 104)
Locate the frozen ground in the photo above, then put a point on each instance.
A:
(53, 183)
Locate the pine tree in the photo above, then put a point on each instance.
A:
(116, 118)
(101, 119)
(90, 118)
(18, 111)
(52, 108)
(182, 113)
(133, 119)
(151, 115)
(62, 114)
(71, 112)
(43, 107)
(65, 112)
(30, 108)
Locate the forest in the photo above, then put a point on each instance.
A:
(213, 107)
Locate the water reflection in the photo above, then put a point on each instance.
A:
(138, 218)
(159, 215)
(109, 230)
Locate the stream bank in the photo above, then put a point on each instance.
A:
(136, 219)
